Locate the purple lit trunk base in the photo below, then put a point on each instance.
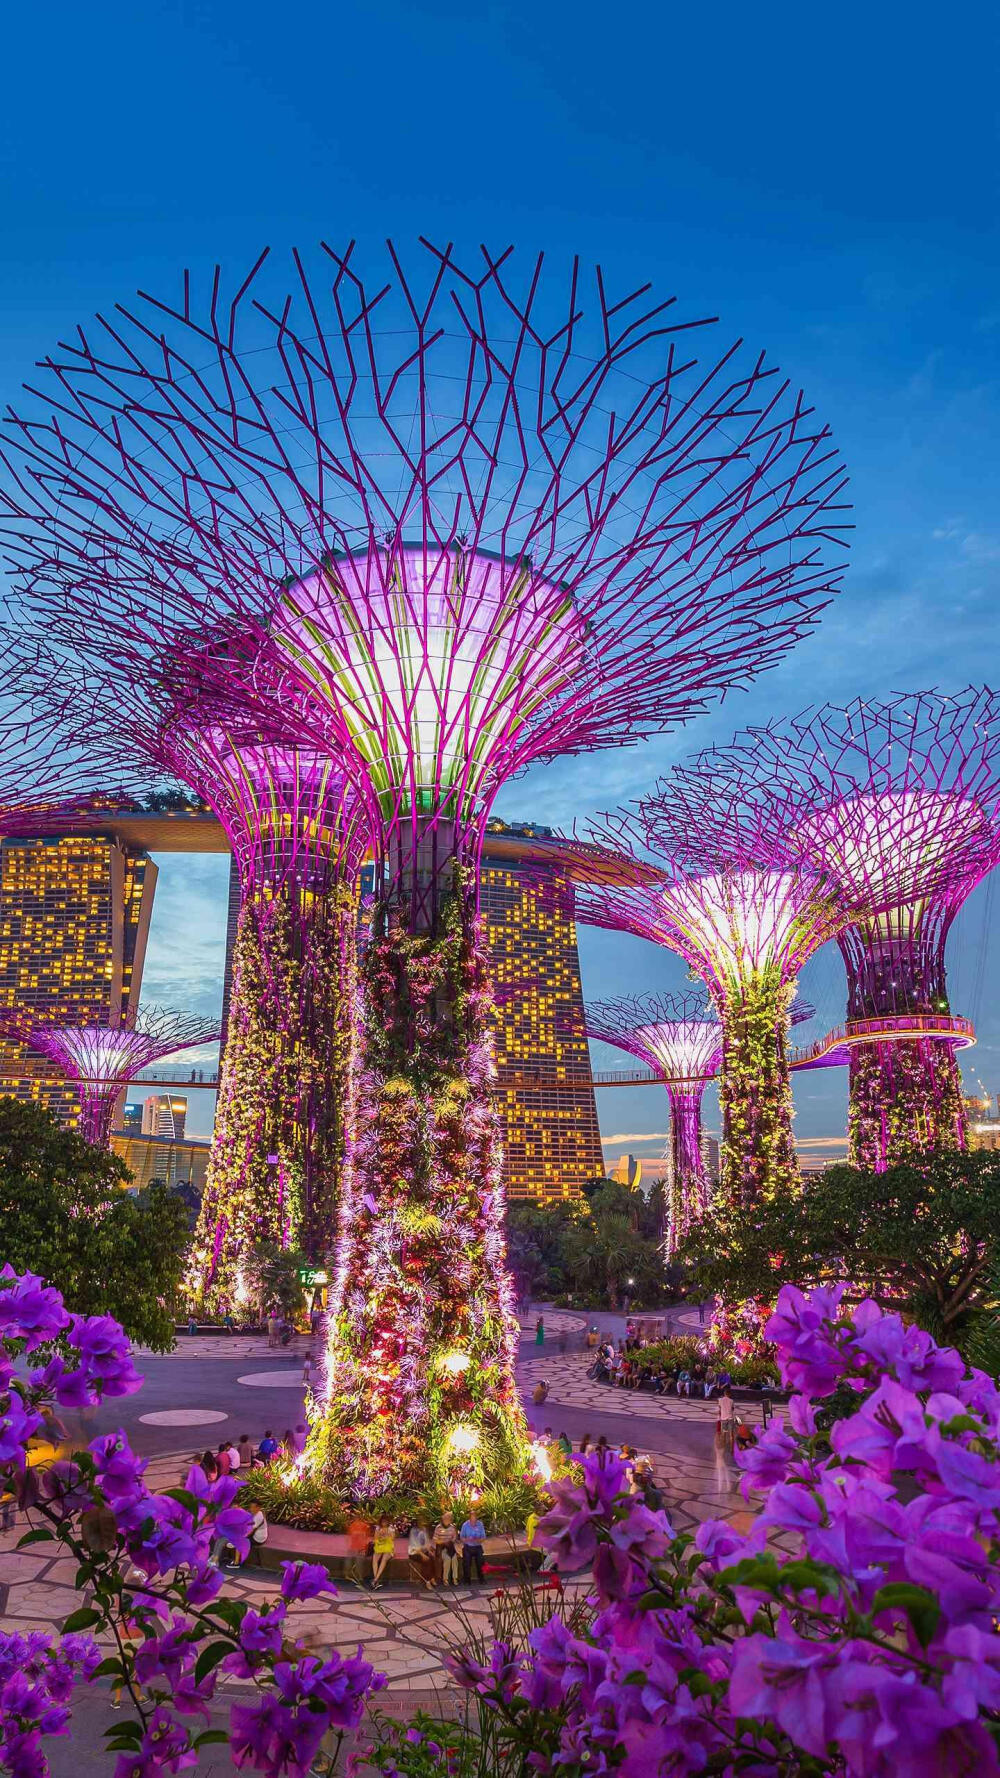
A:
(285, 1101)
(905, 1098)
(688, 1185)
(96, 1114)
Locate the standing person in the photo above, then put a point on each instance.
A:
(385, 1543)
(540, 1331)
(473, 1535)
(258, 1538)
(421, 1554)
(446, 1547)
(273, 1326)
(359, 1536)
(726, 1423)
(307, 1370)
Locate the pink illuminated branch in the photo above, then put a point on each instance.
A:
(444, 524)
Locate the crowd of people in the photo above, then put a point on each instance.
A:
(628, 1365)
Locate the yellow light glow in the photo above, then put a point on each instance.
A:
(455, 1363)
(541, 1460)
(463, 1438)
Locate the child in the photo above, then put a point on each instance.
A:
(446, 1547)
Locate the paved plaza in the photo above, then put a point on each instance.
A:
(212, 1387)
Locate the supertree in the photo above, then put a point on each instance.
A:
(283, 1117)
(715, 880)
(900, 801)
(297, 831)
(102, 1059)
(679, 1037)
(469, 525)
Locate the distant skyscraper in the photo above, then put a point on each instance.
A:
(132, 1120)
(74, 920)
(165, 1115)
(552, 1140)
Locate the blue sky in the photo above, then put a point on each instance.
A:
(824, 181)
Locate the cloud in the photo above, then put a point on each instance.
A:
(638, 1136)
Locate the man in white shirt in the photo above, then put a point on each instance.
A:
(234, 1458)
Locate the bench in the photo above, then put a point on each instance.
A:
(501, 1554)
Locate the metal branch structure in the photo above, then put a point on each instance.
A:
(715, 880)
(101, 1060)
(438, 526)
(900, 800)
(679, 1036)
(46, 776)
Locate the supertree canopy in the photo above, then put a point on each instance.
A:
(102, 1059)
(729, 895)
(679, 1036)
(470, 518)
(900, 801)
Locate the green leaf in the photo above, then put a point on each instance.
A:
(124, 1735)
(209, 1658)
(81, 1620)
(210, 1738)
(184, 1496)
(34, 1537)
(920, 1606)
(113, 1666)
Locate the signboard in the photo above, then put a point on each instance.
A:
(310, 1275)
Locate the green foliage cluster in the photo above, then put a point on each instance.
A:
(271, 1275)
(686, 1350)
(310, 1505)
(755, 1095)
(922, 1237)
(597, 1252)
(66, 1213)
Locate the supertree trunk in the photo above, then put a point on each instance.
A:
(284, 1111)
(688, 1184)
(419, 1386)
(906, 1098)
(96, 1115)
(755, 1094)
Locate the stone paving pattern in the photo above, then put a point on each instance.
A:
(405, 1631)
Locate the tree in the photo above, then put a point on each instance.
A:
(67, 1214)
(601, 1248)
(536, 1238)
(272, 1276)
(923, 1237)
